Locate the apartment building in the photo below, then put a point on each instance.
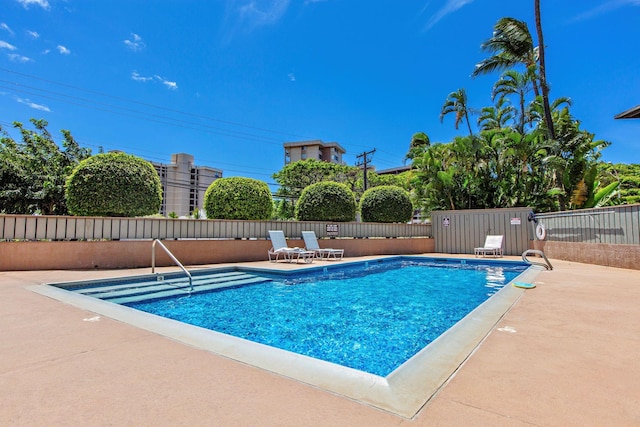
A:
(184, 184)
(314, 149)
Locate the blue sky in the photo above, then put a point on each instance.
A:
(230, 80)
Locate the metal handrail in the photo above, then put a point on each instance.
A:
(153, 261)
(546, 263)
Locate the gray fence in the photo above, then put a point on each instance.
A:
(459, 232)
(30, 227)
(612, 225)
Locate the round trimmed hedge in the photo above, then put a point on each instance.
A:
(238, 198)
(113, 184)
(386, 203)
(326, 201)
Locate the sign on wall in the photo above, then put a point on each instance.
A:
(332, 229)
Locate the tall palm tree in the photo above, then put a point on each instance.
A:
(511, 44)
(457, 103)
(543, 73)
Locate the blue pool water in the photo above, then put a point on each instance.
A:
(372, 317)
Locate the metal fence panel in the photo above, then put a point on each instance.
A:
(612, 225)
(459, 232)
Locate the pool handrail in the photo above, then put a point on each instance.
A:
(547, 265)
(153, 261)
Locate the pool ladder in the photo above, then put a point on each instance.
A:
(153, 261)
(546, 264)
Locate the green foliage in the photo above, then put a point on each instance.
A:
(238, 198)
(628, 177)
(33, 171)
(114, 184)
(283, 210)
(296, 176)
(386, 204)
(326, 201)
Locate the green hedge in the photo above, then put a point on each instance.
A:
(386, 203)
(113, 184)
(238, 198)
(326, 201)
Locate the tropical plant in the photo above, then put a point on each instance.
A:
(511, 44)
(34, 169)
(238, 198)
(496, 117)
(514, 83)
(114, 184)
(326, 201)
(628, 175)
(457, 103)
(419, 142)
(386, 204)
(543, 73)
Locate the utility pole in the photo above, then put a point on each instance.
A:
(365, 159)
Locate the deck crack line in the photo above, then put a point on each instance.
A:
(509, 417)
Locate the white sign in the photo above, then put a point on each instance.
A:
(515, 221)
(445, 221)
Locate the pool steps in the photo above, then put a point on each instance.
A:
(155, 289)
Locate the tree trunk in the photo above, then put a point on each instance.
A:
(543, 73)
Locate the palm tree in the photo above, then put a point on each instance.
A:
(419, 142)
(457, 103)
(511, 44)
(496, 117)
(514, 83)
(543, 73)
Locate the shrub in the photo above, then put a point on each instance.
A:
(326, 201)
(238, 198)
(386, 204)
(113, 184)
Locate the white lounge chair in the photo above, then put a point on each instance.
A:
(281, 249)
(492, 246)
(311, 243)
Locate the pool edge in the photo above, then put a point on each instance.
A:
(404, 392)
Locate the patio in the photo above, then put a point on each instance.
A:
(567, 354)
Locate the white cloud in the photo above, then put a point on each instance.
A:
(42, 3)
(14, 57)
(33, 105)
(5, 45)
(63, 50)
(136, 43)
(449, 7)
(137, 77)
(257, 13)
(603, 8)
(33, 34)
(169, 84)
(6, 28)
(292, 77)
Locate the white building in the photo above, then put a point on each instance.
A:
(315, 149)
(184, 184)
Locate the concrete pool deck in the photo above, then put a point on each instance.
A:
(567, 353)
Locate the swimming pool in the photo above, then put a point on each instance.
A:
(369, 316)
(402, 390)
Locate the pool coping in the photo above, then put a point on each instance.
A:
(403, 392)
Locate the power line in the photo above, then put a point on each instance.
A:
(157, 118)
